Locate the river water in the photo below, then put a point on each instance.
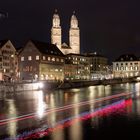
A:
(95, 112)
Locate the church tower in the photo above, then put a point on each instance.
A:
(74, 35)
(56, 30)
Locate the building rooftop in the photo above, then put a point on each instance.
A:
(47, 48)
(127, 57)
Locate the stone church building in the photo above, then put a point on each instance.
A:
(74, 35)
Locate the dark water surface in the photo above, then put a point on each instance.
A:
(72, 114)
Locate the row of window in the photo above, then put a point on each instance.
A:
(75, 58)
(127, 68)
(7, 52)
(44, 58)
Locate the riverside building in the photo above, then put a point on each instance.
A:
(41, 61)
(127, 65)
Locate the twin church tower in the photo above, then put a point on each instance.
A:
(74, 35)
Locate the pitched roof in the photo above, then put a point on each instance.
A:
(127, 57)
(65, 46)
(47, 48)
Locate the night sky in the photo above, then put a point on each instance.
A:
(110, 27)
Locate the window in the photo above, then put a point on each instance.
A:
(22, 58)
(44, 58)
(29, 58)
(49, 58)
(122, 68)
(57, 59)
(62, 60)
(7, 46)
(53, 59)
(136, 67)
(37, 57)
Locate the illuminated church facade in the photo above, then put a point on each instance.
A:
(74, 35)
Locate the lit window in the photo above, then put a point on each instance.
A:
(49, 58)
(44, 57)
(29, 58)
(62, 60)
(57, 59)
(37, 57)
(136, 68)
(53, 59)
(122, 68)
(22, 58)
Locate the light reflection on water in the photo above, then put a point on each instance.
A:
(39, 102)
(12, 126)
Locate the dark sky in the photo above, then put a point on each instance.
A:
(110, 27)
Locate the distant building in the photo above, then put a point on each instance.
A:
(41, 61)
(76, 67)
(7, 60)
(127, 65)
(74, 35)
(98, 66)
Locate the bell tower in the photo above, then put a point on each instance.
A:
(56, 30)
(74, 35)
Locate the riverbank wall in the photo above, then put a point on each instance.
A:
(54, 85)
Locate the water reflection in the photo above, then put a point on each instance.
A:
(12, 112)
(35, 102)
(76, 130)
(40, 105)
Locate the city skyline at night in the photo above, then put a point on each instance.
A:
(110, 28)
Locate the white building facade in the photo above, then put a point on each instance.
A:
(126, 66)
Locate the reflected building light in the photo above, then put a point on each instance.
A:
(12, 112)
(66, 97)
(108, 90)
(52, 101)
(101, 90)
(52, 116)
(41, 105)
(76, 98)
(76, 129)
(137, 87)
(58, 135)
(92, 91)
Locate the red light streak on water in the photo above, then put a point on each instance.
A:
(102, 113)
(58, 109)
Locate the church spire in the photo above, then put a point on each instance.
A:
(74, 21)
(56, 19)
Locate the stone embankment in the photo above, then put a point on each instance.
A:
(53, 85)
(76, 84)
